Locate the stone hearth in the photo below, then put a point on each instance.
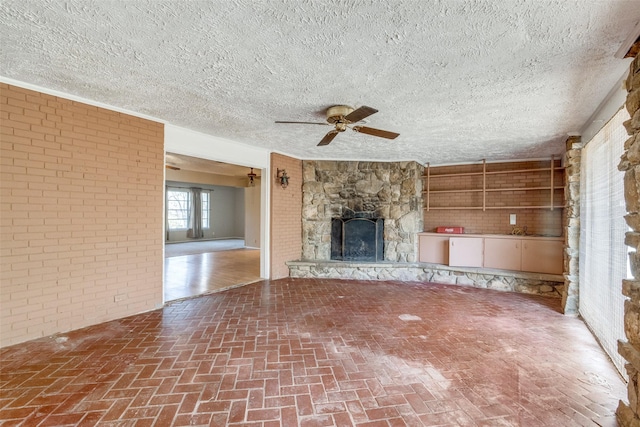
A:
(549, 285)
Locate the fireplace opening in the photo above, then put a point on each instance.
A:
(357, 239)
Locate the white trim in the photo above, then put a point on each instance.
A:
(197, 144)
(608, 108)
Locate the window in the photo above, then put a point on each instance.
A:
(603, 254)
(178, 208)
(205, 209)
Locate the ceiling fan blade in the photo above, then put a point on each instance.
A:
(303, 123)
(328, 138)
(360, 113)
(376, 132)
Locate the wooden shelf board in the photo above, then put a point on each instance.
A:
(441, 208)
(479, 190)
(432, 208)
(444, 175)
(521, 189)
(454, 191)
(525, 207)
(517, 171)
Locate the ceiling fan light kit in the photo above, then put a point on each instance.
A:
(341, 117)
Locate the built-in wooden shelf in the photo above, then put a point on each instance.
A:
(551, 188)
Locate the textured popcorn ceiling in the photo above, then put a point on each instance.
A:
(459, 80)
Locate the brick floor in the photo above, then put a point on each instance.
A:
(301, 352)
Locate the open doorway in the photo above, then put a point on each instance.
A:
(212, 226)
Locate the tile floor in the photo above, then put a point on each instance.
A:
(302, 352)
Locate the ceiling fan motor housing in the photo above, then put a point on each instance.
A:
(337, 113)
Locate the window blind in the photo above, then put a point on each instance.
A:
(603, 254)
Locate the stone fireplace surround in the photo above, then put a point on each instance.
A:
(391, 191)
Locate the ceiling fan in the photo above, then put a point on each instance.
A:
(341, 116)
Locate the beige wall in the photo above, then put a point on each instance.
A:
(286, 215)
(81, 214)
(252, 235)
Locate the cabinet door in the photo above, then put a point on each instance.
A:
(502, 253)
(465, 251)
(434, 249)
(542, 256)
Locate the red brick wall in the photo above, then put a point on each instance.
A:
(496, 221)
(81, 214)
(286, 215)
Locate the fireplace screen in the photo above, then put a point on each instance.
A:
(357, 239)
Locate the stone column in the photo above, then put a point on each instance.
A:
(571, 220)
(629, 414)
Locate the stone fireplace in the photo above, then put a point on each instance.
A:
(389, 192)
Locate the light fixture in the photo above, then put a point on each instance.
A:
(252, 177)
(283, 178)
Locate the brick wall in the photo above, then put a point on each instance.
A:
(286, 215)
(495, 221)
(81, 214)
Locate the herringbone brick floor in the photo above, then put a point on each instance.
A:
(300, 352)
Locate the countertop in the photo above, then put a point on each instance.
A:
(498, 236)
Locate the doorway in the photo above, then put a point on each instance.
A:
(212, 226)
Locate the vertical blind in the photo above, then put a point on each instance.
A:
(603, 254)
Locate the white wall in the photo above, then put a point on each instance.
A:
(184, 141)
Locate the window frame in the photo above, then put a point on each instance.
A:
(186, 209)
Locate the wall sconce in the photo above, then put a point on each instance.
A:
(252, 177)
(283, 178)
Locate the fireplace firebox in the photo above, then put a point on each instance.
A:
(357, 239)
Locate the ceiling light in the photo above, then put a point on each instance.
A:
(252, 176)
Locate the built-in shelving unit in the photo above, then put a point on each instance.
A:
(438, 190)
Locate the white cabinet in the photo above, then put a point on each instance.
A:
(518, 253)
(503, 253)
(465, 251)
(433, 249)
